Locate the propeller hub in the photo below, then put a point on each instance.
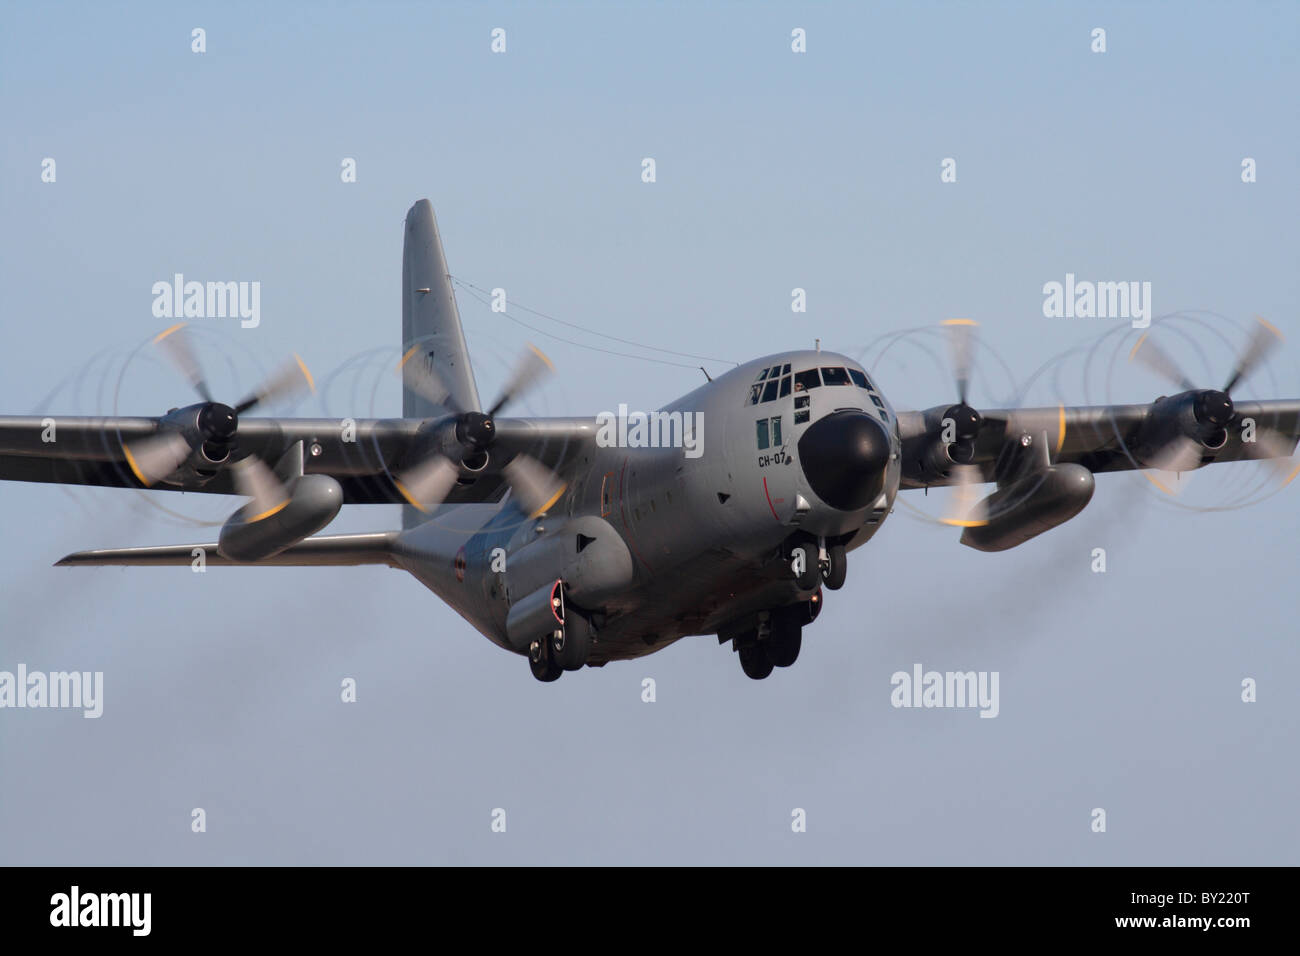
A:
(476, 430)
(1213, 408)
(966, 421)
(218, 422)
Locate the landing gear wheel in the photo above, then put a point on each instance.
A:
(837, 567)
(541, 662)
(571, 645)
(784, 641)
(755, 662)
(810, 577)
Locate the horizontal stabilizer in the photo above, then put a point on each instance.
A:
(326, 551)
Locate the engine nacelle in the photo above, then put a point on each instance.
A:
(1199, 416)
(314, 500)
(1027, 507)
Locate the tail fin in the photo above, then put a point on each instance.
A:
(430, 318)
(431, 322)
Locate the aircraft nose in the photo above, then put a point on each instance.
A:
(844, 456)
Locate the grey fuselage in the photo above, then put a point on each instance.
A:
(656, 542)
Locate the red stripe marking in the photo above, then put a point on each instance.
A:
(769, 499)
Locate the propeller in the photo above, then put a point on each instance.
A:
(154, 458)
(254, 479)
(965, 508)
(1213, 409)
(214, 427)
(966, 421)
(426, 483)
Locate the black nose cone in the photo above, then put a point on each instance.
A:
(844, 456)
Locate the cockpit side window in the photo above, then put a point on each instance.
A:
(806, 380)
(859, 379)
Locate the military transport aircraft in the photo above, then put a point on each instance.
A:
(574, 542)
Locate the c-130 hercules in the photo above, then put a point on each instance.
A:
(561, 548)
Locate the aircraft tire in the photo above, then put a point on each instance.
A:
(811, 575)
(755, 662)
(571, 649)
(542, 663)
(837, 569)
(785, 640)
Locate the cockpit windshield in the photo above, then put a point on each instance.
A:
(777, 382)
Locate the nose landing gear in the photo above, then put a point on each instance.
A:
(835, 567)
(818, 562)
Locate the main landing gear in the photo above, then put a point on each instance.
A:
(776, 641)
(564, 649)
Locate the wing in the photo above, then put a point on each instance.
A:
(1101, 438)
(363, 455)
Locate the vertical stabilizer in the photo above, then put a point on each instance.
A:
(430, 319)
(431, 323)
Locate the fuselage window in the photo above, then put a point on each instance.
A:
(806, 380)
(879, 403)
(835, 376)
(776, 431)
(762, 434)
(802, 409)
(859, 379)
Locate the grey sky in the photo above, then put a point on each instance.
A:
(775, 170)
